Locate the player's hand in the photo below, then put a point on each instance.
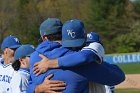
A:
(41, 66)
(50, 86)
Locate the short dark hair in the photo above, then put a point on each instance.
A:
(16, 65)
(52, 37)
(55, 36)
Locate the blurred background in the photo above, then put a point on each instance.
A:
(117, 22)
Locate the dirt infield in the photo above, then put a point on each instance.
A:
(131, 81)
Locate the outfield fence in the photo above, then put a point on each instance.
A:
(123, 58)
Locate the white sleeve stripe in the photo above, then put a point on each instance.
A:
(89, 49)
(101, 59)
(93, 51)
(97, 47)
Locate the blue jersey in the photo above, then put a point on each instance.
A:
(76, 83)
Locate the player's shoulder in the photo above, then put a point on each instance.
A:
(95, 46)
(35, 53)
(24, 73)
(6, 66)
(34, 57)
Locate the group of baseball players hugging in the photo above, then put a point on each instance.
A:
(67, 60)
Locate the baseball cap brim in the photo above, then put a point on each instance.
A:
(15, 46)
(89, 41)
(24, 56)
(73, 43)
(29, 55)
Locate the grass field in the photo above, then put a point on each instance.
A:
(127, 91)
(133, 68)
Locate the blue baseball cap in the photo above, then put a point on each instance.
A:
(23, 51)
(10, 42)
(73, 33)
(50, 26)
(93, 37)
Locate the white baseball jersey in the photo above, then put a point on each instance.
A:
(20, 81)
(6, 74)
(96, 88)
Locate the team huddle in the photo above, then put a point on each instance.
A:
(67, 60)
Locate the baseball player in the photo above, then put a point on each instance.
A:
(94, 49)
(21, 79)
(94, 37)
(8, 46)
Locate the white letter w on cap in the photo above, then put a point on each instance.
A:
(71, 33)
(16, 39)
(89, 36)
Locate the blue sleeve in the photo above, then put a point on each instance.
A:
(32, 84)
(77, 58)
(31, 87)
(105, 73)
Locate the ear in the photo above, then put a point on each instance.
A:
(44, 38)
(5, 51)
(21, 61)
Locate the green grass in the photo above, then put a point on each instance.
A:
(133, 68)
(127, 90)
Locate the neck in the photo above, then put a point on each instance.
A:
(8, 60)
(57, 41)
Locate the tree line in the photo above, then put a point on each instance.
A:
(116, 21)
